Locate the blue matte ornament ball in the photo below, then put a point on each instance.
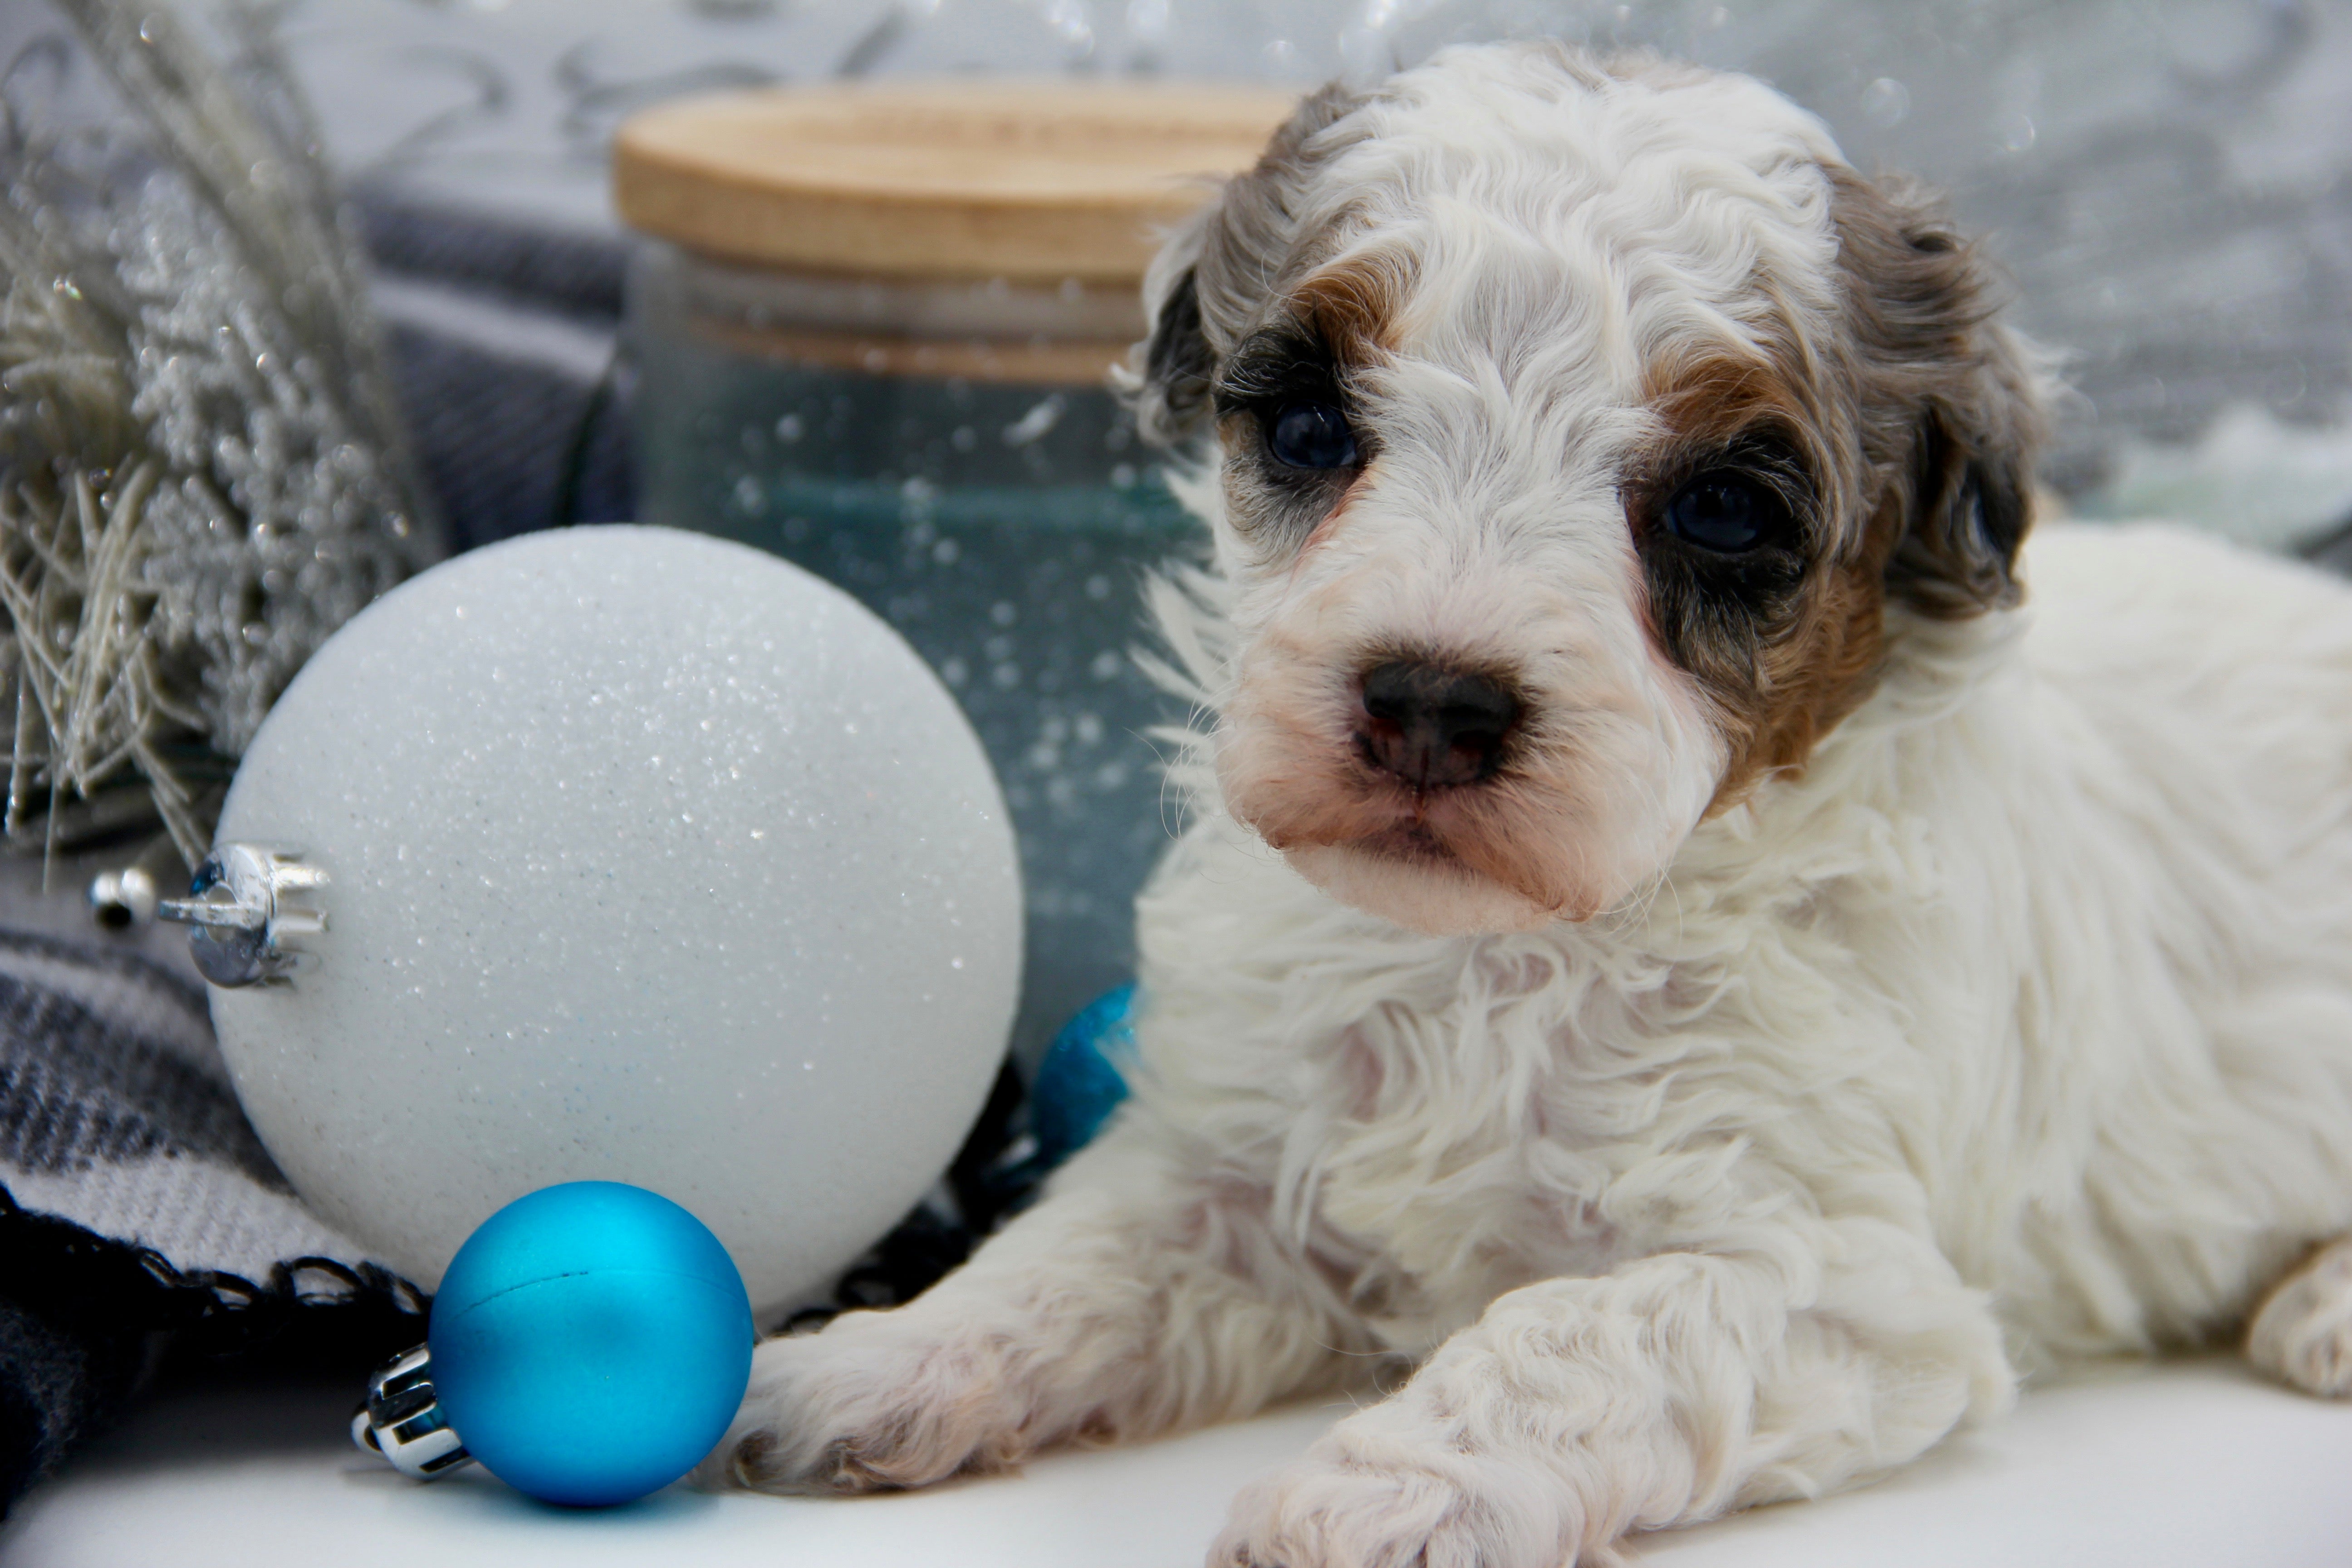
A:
(1080, 1081)
(591, 1342)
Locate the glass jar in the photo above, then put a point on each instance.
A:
(876, 341)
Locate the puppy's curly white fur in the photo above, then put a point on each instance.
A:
(1679, 955)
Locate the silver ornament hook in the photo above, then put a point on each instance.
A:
(245, 902)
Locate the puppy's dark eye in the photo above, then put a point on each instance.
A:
(1728, 511)
(1310, 436)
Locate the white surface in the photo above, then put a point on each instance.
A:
(2192, 1465)
(652, 858)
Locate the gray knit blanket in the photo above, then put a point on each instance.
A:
(140, 1209)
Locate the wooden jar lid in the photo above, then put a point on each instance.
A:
(1032, 182)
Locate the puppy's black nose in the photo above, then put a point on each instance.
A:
(1433, 727)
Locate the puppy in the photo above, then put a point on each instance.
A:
(1697, 964)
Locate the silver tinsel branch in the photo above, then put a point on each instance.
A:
(200, 473)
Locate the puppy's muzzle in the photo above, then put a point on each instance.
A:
(1431, 727)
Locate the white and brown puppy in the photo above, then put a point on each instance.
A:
(1693, 952)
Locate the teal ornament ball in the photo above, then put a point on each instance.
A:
(1082, 1080)
(591, 1342)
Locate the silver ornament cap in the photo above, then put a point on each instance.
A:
(402, 1420)
(246, 903)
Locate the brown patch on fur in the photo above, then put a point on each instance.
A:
(1707, 401)
(1352, 305)
(1914, 429)
(1337, 321)
(1240, 246)
(1811, 679)
(1784, 648)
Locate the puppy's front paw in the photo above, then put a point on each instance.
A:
(1315, 1515)
(871, 1403)
(2303, 1333)
(1327, 1513)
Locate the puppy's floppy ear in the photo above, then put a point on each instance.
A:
(1216, 271)
(1171, 392)
(1952, 411)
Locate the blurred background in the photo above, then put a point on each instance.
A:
(2170, 185)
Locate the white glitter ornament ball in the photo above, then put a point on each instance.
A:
(649, 858)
